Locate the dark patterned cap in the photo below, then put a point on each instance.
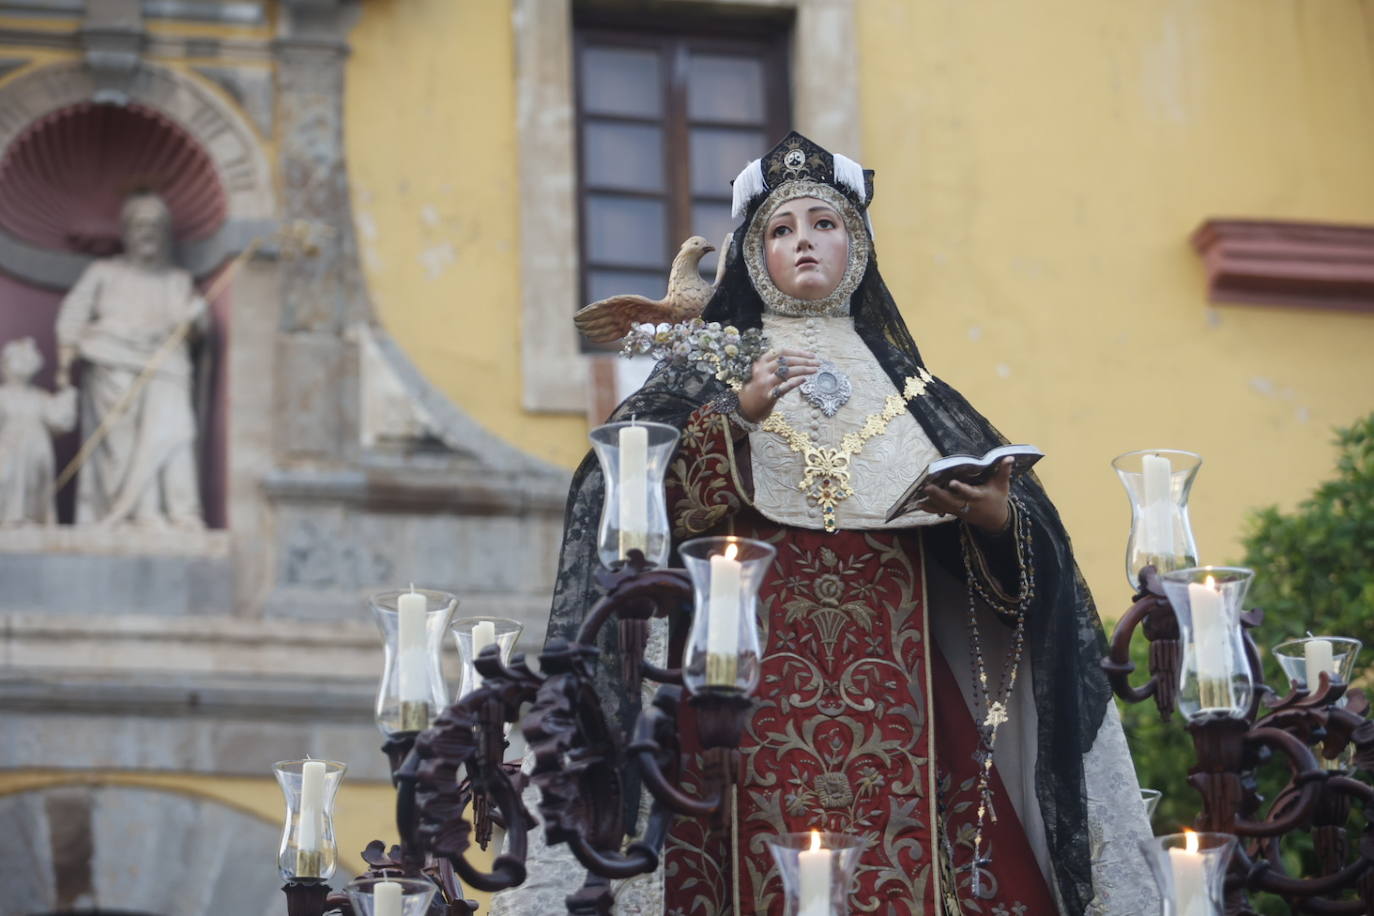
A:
(797, 158)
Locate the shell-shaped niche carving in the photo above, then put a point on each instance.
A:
(64, 178)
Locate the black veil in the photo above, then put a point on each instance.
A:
(1063, 633)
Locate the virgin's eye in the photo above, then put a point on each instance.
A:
(825, 222)
(780, 230)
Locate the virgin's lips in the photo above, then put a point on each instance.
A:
(805, 259)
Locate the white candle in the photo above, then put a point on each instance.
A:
(410, 647)
(814, 898)
(722, 633)
(483, 635)
(1190, 879)
(1210, 631)
(634, 505)
(1157, 528)
(386, 899)
(312, 806)
(1318, 656)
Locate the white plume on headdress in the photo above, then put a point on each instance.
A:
(748, 184)
(851, 175)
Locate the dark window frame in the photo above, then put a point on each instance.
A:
(767, 39)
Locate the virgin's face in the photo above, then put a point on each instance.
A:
(806, 247)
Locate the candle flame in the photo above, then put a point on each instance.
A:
(1211, 583)
(731, 552)
(1189, 841)
(816, 841)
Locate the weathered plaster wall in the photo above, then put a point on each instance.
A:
(430, 132)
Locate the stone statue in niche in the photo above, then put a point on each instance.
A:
(130, 321)
(29, 415)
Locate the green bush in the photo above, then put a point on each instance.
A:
(1314, 570)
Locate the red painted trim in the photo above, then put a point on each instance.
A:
(1285, 262)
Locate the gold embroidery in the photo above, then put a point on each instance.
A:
(701, 472)
(825, 475)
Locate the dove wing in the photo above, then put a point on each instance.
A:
(610, 319)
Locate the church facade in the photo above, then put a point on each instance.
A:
(393, 208)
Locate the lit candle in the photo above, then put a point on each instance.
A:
(312, 806)
(1212, 643)
(1318, 656)
(722, 633)
(1157, 528)
(410, 647)
(634, 505)
(814, 898)
(483, 635)
(1190, 879)
(386, 899)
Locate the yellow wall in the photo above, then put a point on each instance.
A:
(1040, 168)
(430, 122)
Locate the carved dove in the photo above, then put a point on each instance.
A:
(611, 318)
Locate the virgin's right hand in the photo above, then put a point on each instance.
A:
(775, 373)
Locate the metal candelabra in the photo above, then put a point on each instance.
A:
(584, 763)
(1298, 728)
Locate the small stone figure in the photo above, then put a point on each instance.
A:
(29, 415)
(116, 321)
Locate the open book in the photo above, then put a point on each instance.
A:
(968, 468)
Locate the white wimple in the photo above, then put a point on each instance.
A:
(748, 184)
(850, 174)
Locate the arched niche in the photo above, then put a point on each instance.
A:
(221, 131)
(66, 163)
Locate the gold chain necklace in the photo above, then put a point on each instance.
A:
(825, 478)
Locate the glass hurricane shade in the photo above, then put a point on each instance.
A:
(308, 851)
(1158, 482)
(390, 896)
(634, 514)
(1294, 655)
(472, 635)
(817, 871)
(1190, 873)
(1214, 678)
(723, 645)
(412, 691)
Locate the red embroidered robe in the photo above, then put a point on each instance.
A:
(859, 726)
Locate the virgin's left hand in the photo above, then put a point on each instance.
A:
(984, 506)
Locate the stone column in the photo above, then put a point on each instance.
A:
(322, 294)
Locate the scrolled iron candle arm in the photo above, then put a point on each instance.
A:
(460, 740)
(1152, 612)
(657, 726)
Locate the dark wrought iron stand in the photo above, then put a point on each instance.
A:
(584, 763)
(1297, 727)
